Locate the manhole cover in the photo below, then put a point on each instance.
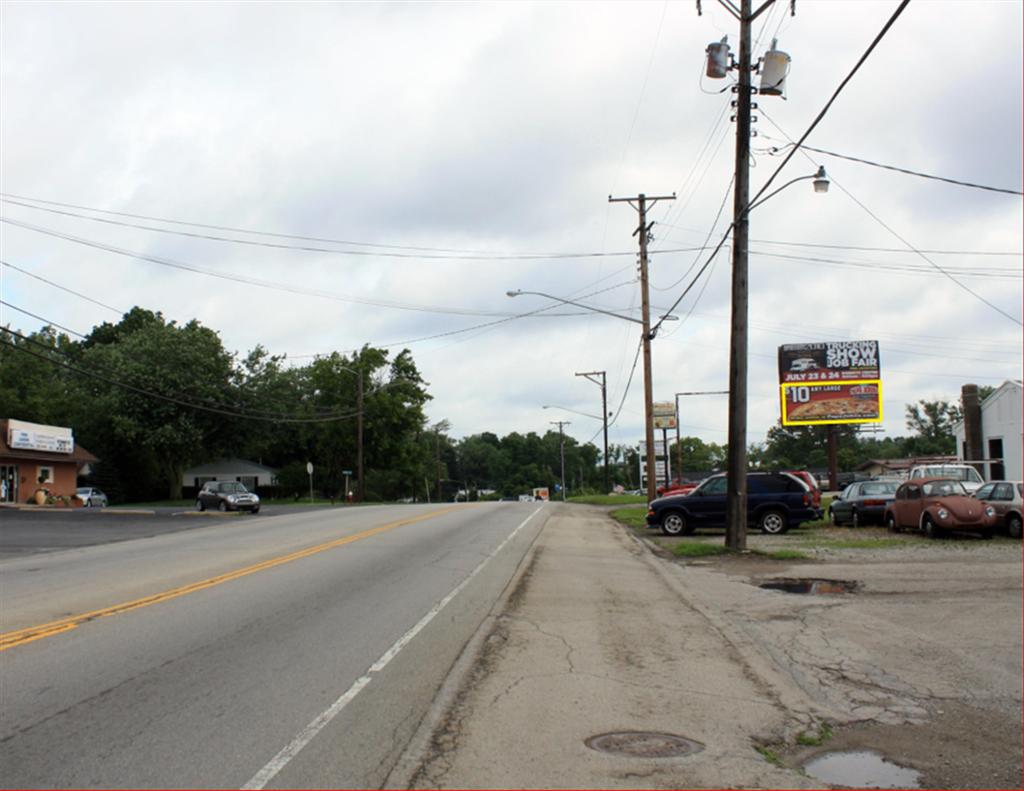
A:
(812, 586)
(644, 744)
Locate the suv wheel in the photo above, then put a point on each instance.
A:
(773, 522)
(674, 524)
(1013, 525)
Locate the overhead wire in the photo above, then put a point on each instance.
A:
(62, 288)
(814, 123)
(772, 151)
(893, 231)
(277, 418)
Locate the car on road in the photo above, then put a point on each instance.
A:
(937, 506)
(227, 496)
(862, 503)
(91, 496)
(776, 502)
(1005, 497)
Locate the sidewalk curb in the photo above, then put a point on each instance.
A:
(418, 750)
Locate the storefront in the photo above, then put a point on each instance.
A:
(34, 456)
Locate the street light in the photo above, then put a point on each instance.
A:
(575, 412)
(359, 430)
(591, 376)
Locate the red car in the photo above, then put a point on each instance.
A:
(677, 487)
(936, 506)
(812, 483)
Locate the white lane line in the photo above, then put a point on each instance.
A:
(307, 734)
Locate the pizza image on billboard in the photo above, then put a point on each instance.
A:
(813, 404)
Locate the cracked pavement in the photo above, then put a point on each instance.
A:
(599, 634)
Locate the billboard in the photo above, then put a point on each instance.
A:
(829, 361)
(830, 383)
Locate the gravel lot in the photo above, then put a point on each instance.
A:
(922, 662)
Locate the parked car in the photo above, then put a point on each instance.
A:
(965, 473)
(776, 502)
(1005, 497)
(90, 496)
(937, 506)
(227, 496)
(862, 503)
(812, 484)
(677, 487)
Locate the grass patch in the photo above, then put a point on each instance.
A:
(701, 550)
(631, 517)
(787, 554)
(769, 755)
(811, 739)
(823, 542)
(610, 499)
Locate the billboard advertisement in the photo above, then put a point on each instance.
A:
(830, 383)
(829, 361)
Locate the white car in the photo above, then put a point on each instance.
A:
(91, 496)
(965, 473)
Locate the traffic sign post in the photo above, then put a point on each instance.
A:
(309, 471)
(348, 494)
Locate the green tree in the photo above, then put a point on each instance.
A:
(187, 365)
(932, 423)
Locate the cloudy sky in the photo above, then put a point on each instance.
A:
(430, 157)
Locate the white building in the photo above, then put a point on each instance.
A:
(248, 473)
(1002, 433)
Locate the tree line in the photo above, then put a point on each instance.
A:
(151, 397)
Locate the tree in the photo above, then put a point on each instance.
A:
(932, 423)
(187, 365)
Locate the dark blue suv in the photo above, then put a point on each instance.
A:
(776, 501)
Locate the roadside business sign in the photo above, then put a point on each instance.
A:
(830, 383)
(22, 435)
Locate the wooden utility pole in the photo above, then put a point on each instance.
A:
(643, 230)
(604, 418)
(359, 445)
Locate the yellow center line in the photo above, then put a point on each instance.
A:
(33, 633)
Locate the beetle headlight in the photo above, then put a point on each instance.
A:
(943, 513)
(990, 511)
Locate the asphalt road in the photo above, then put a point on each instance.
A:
(298, 650)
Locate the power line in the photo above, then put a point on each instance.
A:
(62, 288)
(772, 151)
(266, 416)
(891, 230)
(448, 256)
(44, 320)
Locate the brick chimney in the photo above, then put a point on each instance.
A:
(972, 426)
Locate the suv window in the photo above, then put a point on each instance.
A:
(715, 486)
(1004, 491)
(772, 484)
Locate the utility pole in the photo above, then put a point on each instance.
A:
(604, 417)
(561, 445)
(643, 231)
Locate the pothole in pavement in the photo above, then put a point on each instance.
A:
(812, 586)
(861, 769)
(644, 744)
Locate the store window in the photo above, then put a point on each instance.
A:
(45, 475)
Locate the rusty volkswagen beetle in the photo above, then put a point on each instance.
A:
(937, 506)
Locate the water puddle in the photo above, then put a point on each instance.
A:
(812, 586)
(861, 770)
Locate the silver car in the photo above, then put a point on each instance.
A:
(1005, 497)
(91, 496)
(227, 496)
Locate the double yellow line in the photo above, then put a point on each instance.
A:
(32, 633)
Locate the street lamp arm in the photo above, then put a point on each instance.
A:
(517, 292)
(820, 185)
(575, 412)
